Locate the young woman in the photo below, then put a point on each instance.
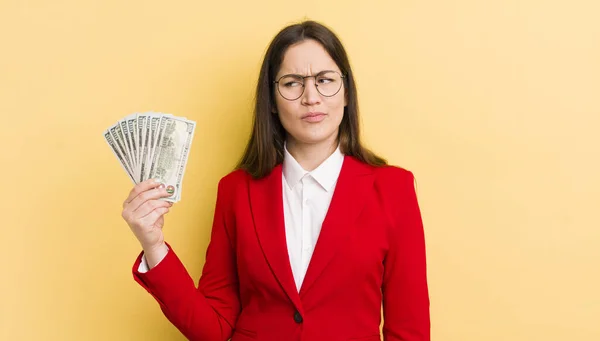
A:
(312, 232)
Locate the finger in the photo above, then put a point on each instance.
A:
(140, 188)
(153, 216)
(150, 206)
(152, 194)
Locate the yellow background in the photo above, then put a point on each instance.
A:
(494, 105)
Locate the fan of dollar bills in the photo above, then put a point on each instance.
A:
(153, 146)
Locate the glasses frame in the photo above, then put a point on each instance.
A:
(304, 83)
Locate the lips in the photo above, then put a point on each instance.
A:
(314, 117)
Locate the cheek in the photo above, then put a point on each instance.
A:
(336, 109)
(285, 107)
(287, 114)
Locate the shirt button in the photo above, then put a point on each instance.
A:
(298, 317)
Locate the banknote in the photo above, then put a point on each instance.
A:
(171, 153)
(153, 145)
(115, 132)
(118, 153)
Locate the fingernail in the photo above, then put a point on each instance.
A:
(161, 186)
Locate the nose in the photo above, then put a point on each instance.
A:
(310, 96)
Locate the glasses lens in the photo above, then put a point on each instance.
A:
(329, 83)
(291, 87)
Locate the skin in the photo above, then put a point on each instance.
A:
(144, 213)
(309, 141)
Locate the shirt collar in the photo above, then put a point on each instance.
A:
(326, 174)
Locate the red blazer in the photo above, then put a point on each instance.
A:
(371, 250)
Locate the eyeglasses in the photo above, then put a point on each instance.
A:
(291, 87)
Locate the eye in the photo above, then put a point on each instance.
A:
(324, 80)
(291, 81)
(292, 84)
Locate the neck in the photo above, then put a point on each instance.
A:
(311, 155)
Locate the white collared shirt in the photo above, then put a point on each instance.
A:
(306, 199)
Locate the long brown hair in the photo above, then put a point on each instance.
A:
(265, 148)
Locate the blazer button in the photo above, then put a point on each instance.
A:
(298, 317)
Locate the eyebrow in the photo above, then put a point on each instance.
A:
(303, 75)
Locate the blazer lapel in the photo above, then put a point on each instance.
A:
(266, 200)
(353, 185)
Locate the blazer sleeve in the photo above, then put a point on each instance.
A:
(405, 291)
(209, 311)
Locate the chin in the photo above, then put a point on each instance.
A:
(308, 138)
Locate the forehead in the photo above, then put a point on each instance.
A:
(306, 57)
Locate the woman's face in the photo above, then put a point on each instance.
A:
(312, 118)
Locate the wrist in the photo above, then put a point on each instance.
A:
(152, 248)
(155, 254)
